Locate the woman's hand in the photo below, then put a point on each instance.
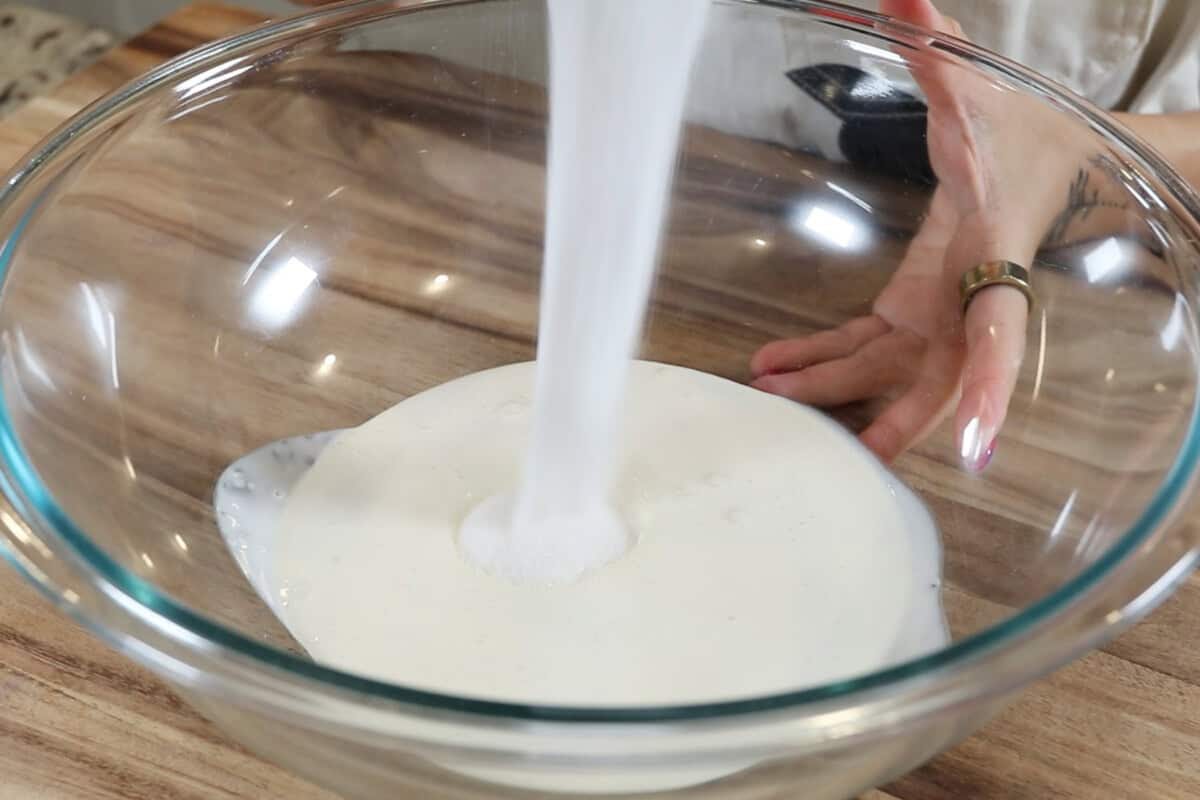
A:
(1004, 164)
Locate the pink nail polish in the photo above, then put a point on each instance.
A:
(987, 457)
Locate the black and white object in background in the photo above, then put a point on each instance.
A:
(854, 116)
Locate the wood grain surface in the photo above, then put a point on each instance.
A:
(77, 721)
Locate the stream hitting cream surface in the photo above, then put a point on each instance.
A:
(618, 78)
(771, 552)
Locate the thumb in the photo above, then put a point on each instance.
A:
(922, 13)
(931, 72)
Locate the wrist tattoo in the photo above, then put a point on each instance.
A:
(1082, 199)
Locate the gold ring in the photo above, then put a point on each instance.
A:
(994, 273)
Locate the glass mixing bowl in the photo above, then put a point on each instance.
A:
(292, 229)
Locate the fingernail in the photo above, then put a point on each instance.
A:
(977, 444)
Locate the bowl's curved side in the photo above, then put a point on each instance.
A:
(274, 700)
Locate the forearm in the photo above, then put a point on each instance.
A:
(1175, 136)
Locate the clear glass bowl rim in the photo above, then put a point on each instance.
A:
(25, 490)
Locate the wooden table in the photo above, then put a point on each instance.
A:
(79, 722)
